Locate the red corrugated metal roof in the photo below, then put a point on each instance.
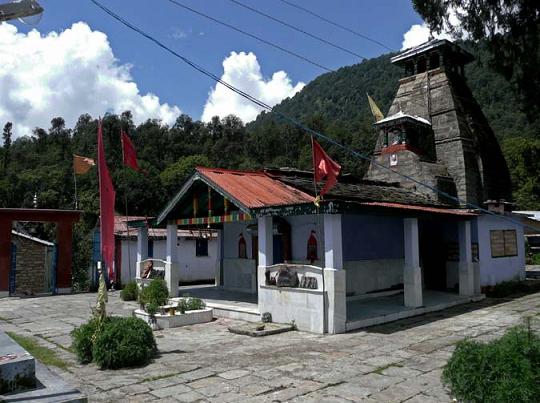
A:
(255, 189)
(459, 212)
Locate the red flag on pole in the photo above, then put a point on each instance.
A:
(128, 151)
(106, 208)
(324, 167)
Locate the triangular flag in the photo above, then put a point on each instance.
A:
(375, 111)
(82, 165)
(324, 167)
(106, 208)
(129, 153)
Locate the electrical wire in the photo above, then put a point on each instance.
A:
(318, 38)
(258, 38)
(338, 25)
(298, 124)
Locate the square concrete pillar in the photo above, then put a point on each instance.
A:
(5, 256)
(466, 265)
(333, 245)
(219, 258)
(334, 275)
(64, 237)
(172, 274)
(266, 241)
(412, 272)
(142, 244)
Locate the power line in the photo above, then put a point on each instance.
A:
(299, 124)
(266, 42)
(318, 38)
(337, 25)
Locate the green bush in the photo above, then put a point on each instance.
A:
(156, 292)
(511, 287)
(504, 370)
(130, 292)
(182, 306)
(152, 308)
(124, 342)
(194, 304)
(82, 341)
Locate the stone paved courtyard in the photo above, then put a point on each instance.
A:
(400, 361)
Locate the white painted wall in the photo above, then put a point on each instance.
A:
(192, 268)
(240, 275)
(301, 227)
(231, 234)
(496, 270)
(370, 275)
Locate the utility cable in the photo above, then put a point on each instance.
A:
(318, 38)
(258, 38)
(308, 130)
(320, 17)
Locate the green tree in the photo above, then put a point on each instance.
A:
(6, 135)
(509, 28)
(176, 174)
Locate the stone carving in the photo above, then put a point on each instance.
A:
(308, 282)
(266, 317)
(287, 277)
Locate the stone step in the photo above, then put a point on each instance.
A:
(17, 366)
(234, 312)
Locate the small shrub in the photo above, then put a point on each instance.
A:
(194, 304)
(504, 370)
(155, 292)
(124, 342)
(152, 308)
(130, 292)
(82, 341)
(512, 287)
(182, 306)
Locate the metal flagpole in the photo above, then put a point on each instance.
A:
(75, 182)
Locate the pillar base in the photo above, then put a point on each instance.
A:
(172, 278)
(4, 294)
(412, 287)
(336, 300)
(466, 279)
(67, 290)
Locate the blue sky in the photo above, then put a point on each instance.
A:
(209, 44)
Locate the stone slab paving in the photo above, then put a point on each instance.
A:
(400, 361)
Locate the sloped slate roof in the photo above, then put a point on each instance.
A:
(255, 189)
(361, 190)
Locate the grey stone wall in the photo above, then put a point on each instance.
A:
(464, 142)
(31, 264)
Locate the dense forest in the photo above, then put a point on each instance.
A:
(40, 163)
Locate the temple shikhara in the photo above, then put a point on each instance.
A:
(412, 236)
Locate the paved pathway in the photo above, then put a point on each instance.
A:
(396, 362)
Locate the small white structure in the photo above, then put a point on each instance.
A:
(195, 251)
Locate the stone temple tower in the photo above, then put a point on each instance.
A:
(436, 132)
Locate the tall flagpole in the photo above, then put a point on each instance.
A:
(126, 209)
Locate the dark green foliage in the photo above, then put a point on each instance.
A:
(124, 342)
(155, 293)
(512, 287)
(504, 370)
(510, 29)
(152, 308)
(190, 304)
(82, 341)
(130, 292)
(194, 303)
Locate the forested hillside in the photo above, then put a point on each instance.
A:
(40, 163)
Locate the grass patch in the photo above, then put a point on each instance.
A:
(503, 370)
(381, 369)
(48, 339)
(158, 377)
(512, 287)
(43, 354)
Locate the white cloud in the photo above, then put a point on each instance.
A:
(419, 33)
(66, 74)
(243, 71)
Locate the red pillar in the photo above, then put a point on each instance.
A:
(5, 255)
(64, 231)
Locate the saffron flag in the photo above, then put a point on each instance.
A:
(324, 167)
(128, 151)
(82, 165)
(106, 208)
(375, 111)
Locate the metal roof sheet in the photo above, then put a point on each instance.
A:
(255, 189)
